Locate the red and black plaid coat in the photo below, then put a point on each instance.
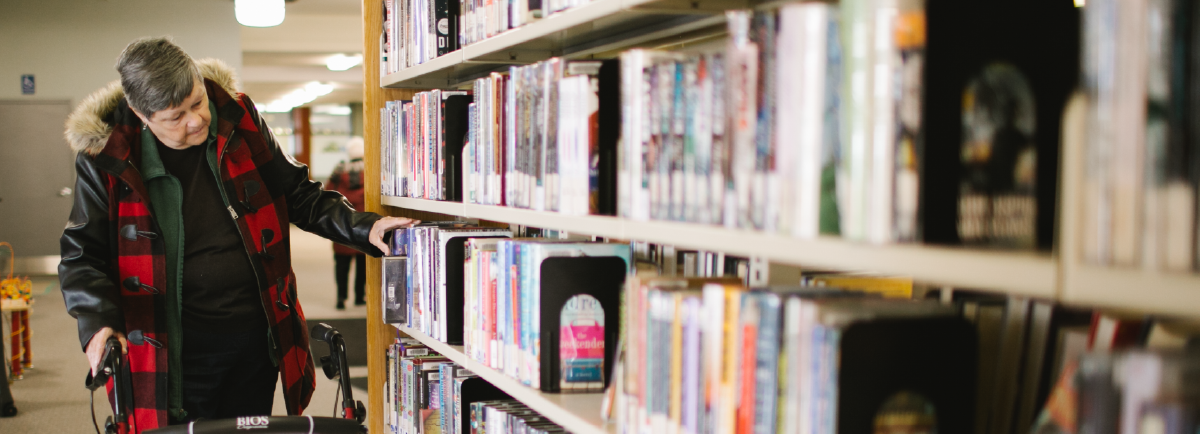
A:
(113, 256)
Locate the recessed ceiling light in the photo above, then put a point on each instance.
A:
(342, 62)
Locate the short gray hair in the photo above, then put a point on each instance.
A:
(156, 74)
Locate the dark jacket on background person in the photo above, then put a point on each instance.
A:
(115, 270)
(347, 179)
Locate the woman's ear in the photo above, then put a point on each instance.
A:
(139, 114)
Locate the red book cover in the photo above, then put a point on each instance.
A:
(746, 379)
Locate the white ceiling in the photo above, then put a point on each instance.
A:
(277, 60)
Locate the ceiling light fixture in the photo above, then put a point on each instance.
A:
(342, 62)
(258, 13)
(296, 98)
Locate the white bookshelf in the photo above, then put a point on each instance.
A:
(579, 412)
(1148, 291)
(1022, 273)
(596, 27)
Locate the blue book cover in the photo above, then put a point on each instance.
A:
(502, 280)
(766, 362)
(528, 329)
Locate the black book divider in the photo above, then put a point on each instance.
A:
(455, 114)
(476, 389)
(933, 358)
(602, 277)
(609, 134)
(455, 286)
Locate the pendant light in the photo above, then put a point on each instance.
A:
(258, 13)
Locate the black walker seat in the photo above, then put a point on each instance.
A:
(268, 425)
(334, 365)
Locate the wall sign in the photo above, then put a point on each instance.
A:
(27, 84)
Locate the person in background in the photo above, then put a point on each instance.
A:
(347, 179)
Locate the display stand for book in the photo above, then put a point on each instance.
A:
(564, 278)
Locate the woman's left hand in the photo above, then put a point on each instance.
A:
(384, 225)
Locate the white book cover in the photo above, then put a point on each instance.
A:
(630, 192)
(882, 147)
(815, 18)
(742, 74)
(790, 102)
(714, 334)
(856, 168)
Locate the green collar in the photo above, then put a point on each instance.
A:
(152, 166)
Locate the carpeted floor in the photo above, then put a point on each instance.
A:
(51, 397)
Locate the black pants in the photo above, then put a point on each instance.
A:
(227, 375)
(342, 274)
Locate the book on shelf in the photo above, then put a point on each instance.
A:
(427, 394)
(539, 309)
(483, 19)
(509, 417)
(436, 280)
(394, 289)
(1140, 178)
(535, 139)
(710, 355)
(422, 145)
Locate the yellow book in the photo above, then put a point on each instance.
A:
(676, 405)
(887, 286)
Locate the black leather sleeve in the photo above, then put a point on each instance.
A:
(311, 207)
(85, 274)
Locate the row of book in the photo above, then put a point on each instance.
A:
(710, 356)
(812, 120)
(424, 277)
(417, 31)
(534, 139)
(534, 303)
(482, 19)
(1142, 155)
(516, 305)
(426, 393)
(422, 142)
(509, 417)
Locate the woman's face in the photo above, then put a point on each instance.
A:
(184, 125)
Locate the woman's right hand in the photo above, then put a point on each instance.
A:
(95, 348)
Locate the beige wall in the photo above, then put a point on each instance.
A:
(71, 45)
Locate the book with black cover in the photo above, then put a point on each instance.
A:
(446, 26)
(908, 367)
(455, 123)
(605, 166)
(395, 289)
(965, 39)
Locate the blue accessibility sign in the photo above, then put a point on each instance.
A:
(27, 84)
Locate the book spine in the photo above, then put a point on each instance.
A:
(742, 72)
(714, 333)
(832, 121)
(675, 409)
(767, 364)
(533, 270)
(692, 377)
(747, 348)
(882, 146)
(763, 208)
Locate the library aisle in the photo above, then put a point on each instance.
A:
(51, 397)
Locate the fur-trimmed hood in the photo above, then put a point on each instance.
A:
(89, 126)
